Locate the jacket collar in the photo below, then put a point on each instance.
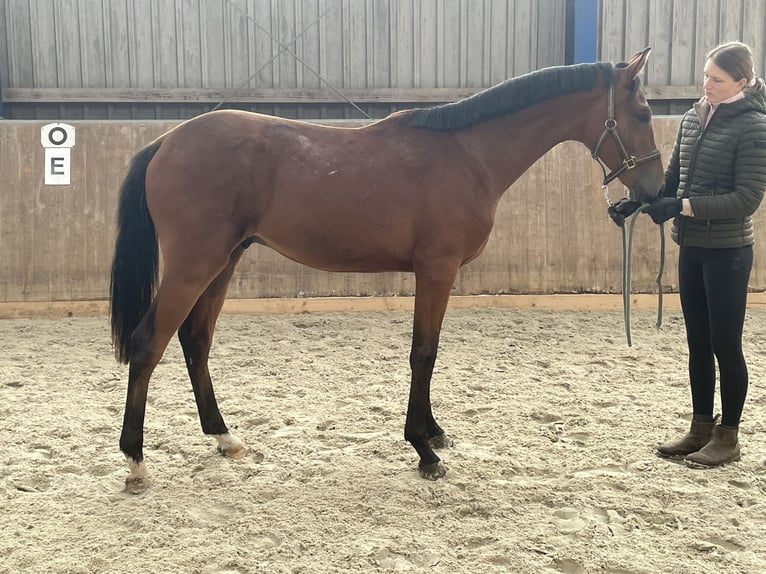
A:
(755, 96)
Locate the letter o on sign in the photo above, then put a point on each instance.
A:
(57, 136)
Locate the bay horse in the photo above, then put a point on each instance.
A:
(414, 192)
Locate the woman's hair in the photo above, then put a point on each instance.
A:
(736, 59)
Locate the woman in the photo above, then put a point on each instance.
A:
(714, 182)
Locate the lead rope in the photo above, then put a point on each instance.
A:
(626, 244)
(627, 249)
(659, 276)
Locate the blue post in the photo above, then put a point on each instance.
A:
(585, 30)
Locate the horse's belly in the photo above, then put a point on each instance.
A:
(328, 257)
(341, 232)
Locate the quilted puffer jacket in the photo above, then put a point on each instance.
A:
(721, 169)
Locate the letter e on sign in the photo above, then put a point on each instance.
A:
(57, 139)
(57, 170)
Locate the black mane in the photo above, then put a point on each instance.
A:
(508, 97)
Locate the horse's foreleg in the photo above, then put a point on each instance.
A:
(421, 429)
(196, 337)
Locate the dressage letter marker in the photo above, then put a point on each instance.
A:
(57, 139)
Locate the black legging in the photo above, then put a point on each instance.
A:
(713, 289)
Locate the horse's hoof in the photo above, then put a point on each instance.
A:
(441, 441)
(433, 471)
(136, 484)
(137, 481)
(230, 446)
(234, 452)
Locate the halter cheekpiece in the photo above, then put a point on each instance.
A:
(610, 128)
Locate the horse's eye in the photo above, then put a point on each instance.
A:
(644, 117)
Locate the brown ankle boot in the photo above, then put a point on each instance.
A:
(698, 436)
(722, 448)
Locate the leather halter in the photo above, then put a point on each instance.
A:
(610, 128)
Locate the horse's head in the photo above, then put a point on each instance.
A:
(626, 144)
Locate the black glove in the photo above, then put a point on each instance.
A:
(663, 208)
(621, 209)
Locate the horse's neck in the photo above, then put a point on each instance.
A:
(508, 146)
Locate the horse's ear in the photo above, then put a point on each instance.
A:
(637, 62)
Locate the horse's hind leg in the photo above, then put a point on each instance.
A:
(196, 337)
(177, 294)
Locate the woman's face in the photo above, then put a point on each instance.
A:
(719, 85)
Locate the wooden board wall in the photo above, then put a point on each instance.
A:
(99, 46)
(552, 234)
(681, 34)
(172, 59)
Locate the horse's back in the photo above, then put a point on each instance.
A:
(237, 139)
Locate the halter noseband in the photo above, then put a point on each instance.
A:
(610, 128)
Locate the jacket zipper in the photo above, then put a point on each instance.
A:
(692, 165)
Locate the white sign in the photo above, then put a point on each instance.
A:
(57, 165)
(57, 139)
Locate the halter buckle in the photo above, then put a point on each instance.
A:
(630, 162)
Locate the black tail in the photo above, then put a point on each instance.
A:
(135, 264)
